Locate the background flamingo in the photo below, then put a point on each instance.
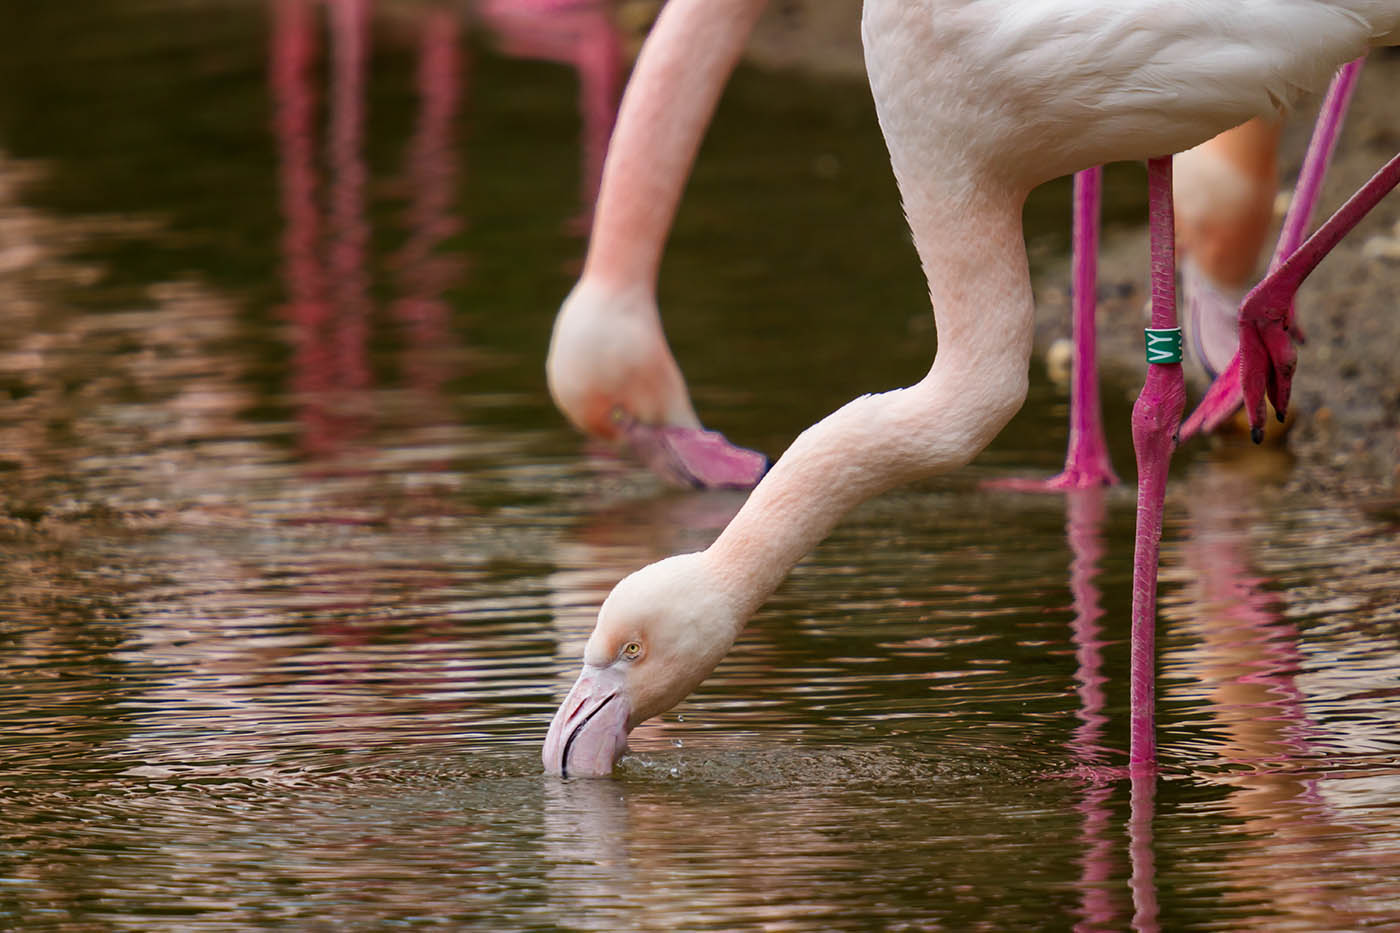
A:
(978, 106)
(1224, 190)
(610, 369)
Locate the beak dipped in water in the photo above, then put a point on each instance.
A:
(589, 731)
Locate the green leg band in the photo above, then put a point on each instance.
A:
(1164, 345)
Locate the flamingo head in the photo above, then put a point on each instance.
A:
(659, 633)
(609, 364)
(612, 374)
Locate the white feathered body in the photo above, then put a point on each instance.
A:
(1028, 90)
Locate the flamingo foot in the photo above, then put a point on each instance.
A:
(1218, 405)
(1222, 402)
(1268, 358)
(1079, 473)
(694, 457)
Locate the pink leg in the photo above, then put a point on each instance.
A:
(1156, 417)
(1086, 461)
(1267, 357)
(1224, 396)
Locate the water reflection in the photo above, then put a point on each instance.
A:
(617, 861)
(1085, 513)
(1100, 902)
(1142, 850)
(328, 282)
(1306, 815)
(326, 260)
(582, 34)
(285, 599)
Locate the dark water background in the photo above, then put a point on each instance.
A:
(296, 557)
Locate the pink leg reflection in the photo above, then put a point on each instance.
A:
(329, 298)
(293, 54)
(1244, 668)
(1141, 852)
(580, 33)
(422, 273)
(1085, 512)
(1248, 654)
(349, 232)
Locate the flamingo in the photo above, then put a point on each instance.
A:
(980, 103)
(611, 371)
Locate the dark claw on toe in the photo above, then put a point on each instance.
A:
(1256, 435)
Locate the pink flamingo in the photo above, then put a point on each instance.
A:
(980, 103)
(611, 371)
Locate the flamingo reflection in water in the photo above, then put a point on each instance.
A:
(327, 260)
(1295, 711)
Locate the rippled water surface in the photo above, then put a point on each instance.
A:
(296, 557)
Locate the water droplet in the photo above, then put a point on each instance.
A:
(675, 772)
(678, 743)
(680, 718)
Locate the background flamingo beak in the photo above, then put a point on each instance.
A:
(589, 731)
(695, 457)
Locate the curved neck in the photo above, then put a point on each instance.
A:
(975, 259)
(673, 91)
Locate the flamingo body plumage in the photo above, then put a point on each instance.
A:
(979, 103)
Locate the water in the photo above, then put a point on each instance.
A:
(296, 557)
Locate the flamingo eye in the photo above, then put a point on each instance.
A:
(632, 650)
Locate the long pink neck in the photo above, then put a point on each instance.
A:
(975, 259)
(670, 98)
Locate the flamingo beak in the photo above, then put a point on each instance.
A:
(693, 457)
(589, 731)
